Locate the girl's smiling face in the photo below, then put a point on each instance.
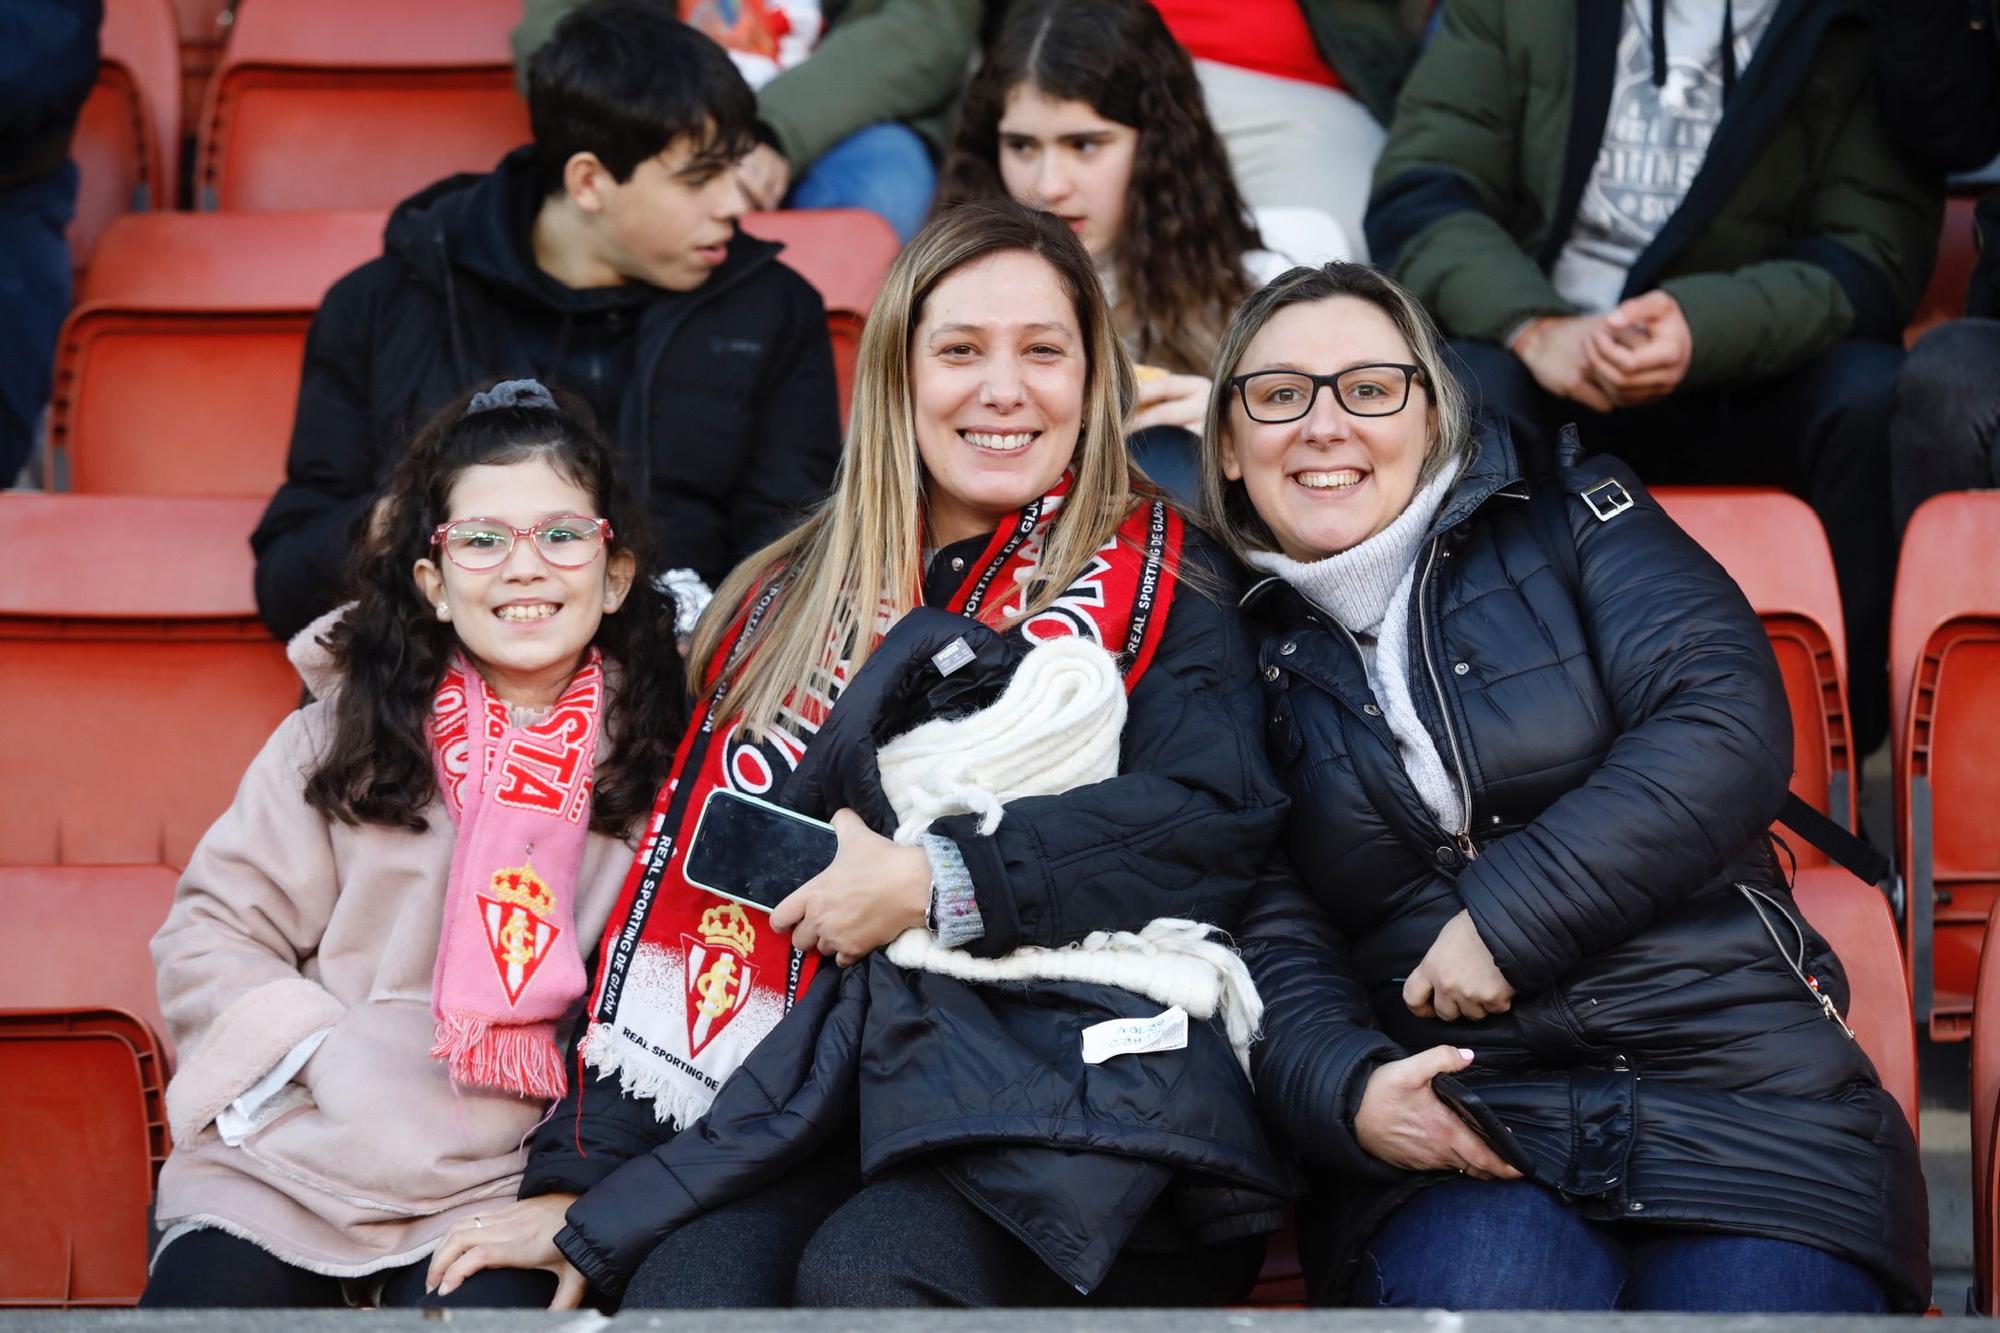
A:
(524, 623)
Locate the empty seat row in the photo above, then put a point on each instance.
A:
(177, 371)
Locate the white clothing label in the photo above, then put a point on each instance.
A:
(951, 657)
(1135, 1036)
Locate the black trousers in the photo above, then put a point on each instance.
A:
(1820, 432)
(215, 1270)
(820, 1238)
(1946, 435)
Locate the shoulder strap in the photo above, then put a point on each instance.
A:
(1547, 501)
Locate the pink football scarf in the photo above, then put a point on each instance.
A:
(507, 963)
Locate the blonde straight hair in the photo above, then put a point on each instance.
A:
(863, 546)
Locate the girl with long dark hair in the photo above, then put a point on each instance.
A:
(1090, 109)
(370, 953)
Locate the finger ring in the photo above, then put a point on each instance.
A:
(477, 1222)
(1461, 1171)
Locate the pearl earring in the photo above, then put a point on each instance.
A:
(444, 611)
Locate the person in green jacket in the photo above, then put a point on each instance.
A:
(855, 95)
(1683, 225)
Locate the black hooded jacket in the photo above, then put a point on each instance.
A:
(1623, 743)
(722, 400)
(1164, 1149)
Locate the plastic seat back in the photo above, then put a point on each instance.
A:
(844, 253)
(1944, 297)
(127, 141)
(357, 105)
(1773, 546)
(1854, 918)
(1945, 701)
(1985, 1128)
(77, 938)
(82, 1135)
(178, 370)
(136, 673)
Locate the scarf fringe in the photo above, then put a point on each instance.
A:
(1171, 961)
(675, 1101)
(521, 1058)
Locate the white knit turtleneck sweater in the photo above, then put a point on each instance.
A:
(1367, 589)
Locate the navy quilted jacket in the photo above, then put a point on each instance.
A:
(1623, 743)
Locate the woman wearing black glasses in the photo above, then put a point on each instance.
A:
(1543, 1018)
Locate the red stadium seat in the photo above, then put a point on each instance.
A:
(1854, 918)
(177, 372)
(76, 938)
(1985, 1128)
(127, 142)
(204, 26)
(1944, 683)
(844, 253)
(1944, 297)
(139, 683)
(1773, 546)
(359, 104)
(82, 1135)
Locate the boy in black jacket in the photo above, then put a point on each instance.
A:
(604, 258)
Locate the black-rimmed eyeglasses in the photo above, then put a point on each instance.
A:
(1275, 396)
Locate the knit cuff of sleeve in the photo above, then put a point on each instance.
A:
(954, 915)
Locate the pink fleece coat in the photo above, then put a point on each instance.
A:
(286, 923)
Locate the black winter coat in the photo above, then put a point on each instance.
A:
(1164, 1150)
(721, 400)
(1623, 744)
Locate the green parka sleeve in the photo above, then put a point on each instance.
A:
(880, 60)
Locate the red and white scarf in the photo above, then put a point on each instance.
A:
(689, 983)
(508, 966)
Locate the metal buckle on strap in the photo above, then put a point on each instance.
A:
(1608, 499)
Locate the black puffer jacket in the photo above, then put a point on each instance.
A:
(1622, 746)
(721, 400)
(1163, 1149)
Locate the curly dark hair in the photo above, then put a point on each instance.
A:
(1179, 258)
(394, 652)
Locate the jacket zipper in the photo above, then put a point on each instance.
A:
(1795, 961)
(1464, 832)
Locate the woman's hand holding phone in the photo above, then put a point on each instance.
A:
(874, 891)
(1403, 1122)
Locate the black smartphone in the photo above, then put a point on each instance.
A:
(1479, 1117)
(754, 852)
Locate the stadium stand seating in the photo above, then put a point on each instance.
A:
(204, 27)
(1986, 1129)
(1773, 546)
(358, 104)
(76, 938)
(1854, 918)
(127, 142)
(844, 253)
(1944, 654)
(82, 1136)
(139, 682)
(176, 306)
(1944, 297)
(84, 1061)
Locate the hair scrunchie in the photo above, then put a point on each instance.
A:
(512, 393)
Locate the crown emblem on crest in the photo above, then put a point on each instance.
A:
(524, 888)
(729, 927)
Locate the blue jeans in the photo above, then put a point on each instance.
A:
(885, 169)
(1513, 1245)
(34, 297)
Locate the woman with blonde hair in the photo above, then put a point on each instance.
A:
(994, 642)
